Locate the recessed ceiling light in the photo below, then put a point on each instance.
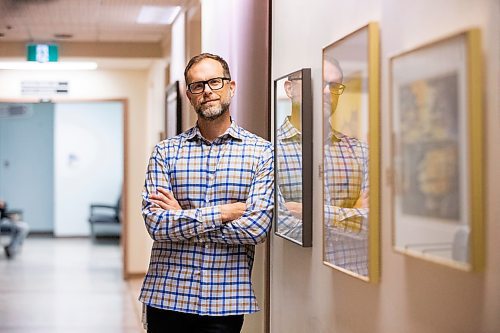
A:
(48, 66)
(158, 15)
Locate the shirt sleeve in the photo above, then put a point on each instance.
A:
(347, 218)
(172, 225)
(286, 223)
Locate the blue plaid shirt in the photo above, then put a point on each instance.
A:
(345, 178)
(289, 162)
(199, 264)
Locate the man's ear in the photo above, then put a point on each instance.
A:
(232, 87)
(288, 88)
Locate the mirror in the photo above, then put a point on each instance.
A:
(351, 154)
(293, 157)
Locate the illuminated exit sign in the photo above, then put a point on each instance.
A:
(42, 52)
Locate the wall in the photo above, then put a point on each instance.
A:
(88, 162)
(27, 164)
(156, 101)
(241, 39)
(238, 31)
(412, 295)
(110, 84)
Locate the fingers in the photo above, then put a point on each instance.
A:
(164, 199)
(169, 198)
(160, 203)
(165, 193)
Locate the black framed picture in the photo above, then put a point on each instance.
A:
(292, 137)
(173, 110)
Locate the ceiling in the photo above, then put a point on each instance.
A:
(97, 21)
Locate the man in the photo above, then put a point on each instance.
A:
(346, 184)
(18, 229)
(207, 201)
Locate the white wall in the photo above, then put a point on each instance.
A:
(177, 64)
(237, 31)
(413, 295)
(156, 101)
(241, 38)
(88, 162)
(110, 84)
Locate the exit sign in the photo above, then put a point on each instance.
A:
(42, 52)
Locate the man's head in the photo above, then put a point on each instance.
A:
(332, 85)
(209, 84)
(293, 87)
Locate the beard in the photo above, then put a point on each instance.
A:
(212, 112)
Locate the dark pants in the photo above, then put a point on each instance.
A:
(164, 321)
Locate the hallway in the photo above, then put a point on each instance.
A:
(67, 285)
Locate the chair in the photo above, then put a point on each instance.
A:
(107, 216)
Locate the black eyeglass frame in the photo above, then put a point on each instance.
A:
(206, 82)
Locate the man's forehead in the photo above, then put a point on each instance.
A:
(331, 72)
(206, 66)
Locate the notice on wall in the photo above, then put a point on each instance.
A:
(44, 88)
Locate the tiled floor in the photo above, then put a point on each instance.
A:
(66, 285)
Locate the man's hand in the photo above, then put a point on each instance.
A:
(295, 208)
(362, 201)
(232, 211)
(164, 200)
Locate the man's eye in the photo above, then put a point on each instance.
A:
(197, 85)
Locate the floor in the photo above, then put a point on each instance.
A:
(67, 285)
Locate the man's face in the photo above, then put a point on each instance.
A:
(330, 75)
(210, 104)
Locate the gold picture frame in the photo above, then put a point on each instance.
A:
(351, 154)
(437, 123)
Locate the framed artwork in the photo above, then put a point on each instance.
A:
(173, 110)
(351, 154)
(292, 137)
(437, 145)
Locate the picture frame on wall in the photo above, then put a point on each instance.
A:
(437, 129)
(292, 138)
(173, 110)
(351, 154)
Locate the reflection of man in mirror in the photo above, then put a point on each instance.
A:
(289, 152)
(345, 184)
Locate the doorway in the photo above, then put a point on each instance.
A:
(57, 158)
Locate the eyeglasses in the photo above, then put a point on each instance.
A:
(335, 88)
(199, 86)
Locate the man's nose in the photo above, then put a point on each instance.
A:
(207, 89)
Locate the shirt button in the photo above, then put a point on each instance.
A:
(207, 246)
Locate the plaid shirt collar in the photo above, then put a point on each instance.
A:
(233, 131)
(288, 131)
(335, 136)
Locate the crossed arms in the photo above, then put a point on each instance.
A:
(233, 223)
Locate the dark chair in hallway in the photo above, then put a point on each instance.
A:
(12, 225)
(105, 216)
